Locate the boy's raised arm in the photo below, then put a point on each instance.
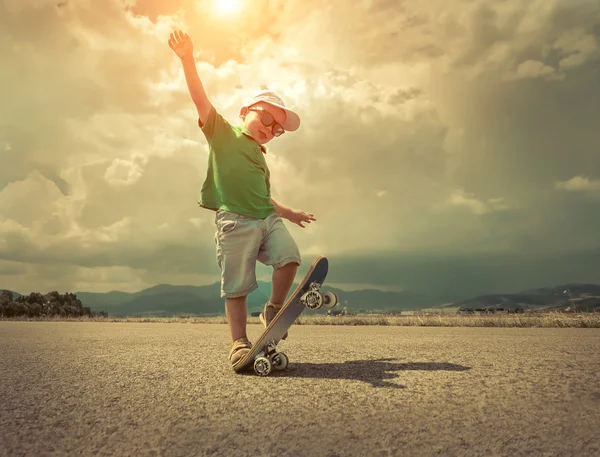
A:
(182, 45)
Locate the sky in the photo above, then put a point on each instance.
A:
(450, 147)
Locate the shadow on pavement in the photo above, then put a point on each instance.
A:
(374, 372)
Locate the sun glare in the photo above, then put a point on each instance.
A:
(228, 6)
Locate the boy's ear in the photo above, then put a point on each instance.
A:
(243, 112)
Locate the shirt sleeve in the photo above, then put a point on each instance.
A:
(216, 127)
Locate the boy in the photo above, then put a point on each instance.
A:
(237, 187)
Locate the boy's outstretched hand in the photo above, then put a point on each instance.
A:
(298, 217)
(181, 44)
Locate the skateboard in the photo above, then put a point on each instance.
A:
(263, 356)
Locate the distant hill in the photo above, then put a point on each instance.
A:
(165, 300)
(579, 297)
(169, 300)
(579, 289)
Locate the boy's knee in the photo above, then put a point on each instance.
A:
(290, 266)
(236, 297)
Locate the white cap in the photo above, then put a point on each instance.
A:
(292, 120)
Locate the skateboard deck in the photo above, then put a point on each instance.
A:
(263, 356)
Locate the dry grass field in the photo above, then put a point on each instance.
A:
(539, 320)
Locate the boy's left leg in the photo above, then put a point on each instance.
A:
(281, 252)
(282, 278)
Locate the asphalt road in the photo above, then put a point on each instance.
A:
(130, 389)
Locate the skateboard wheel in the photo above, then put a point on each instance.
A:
(262, 366)
(329, 300)
(280, 361)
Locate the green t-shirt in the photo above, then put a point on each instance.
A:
(237, 178)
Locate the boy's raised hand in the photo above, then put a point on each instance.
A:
(181, 44)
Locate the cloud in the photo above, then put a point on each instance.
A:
(124, 172)
(446, 127)
(577, 46)
(532, 69)
(12, 269)
(460, 199)
(579, 184)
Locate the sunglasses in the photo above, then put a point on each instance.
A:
(267, 119)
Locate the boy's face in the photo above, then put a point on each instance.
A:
(259, 114)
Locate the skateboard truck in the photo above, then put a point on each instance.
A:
(314, 299)
(269, 359)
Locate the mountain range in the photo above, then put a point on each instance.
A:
(170, 300)
(580, 297)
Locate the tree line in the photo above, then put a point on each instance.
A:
(50, 304)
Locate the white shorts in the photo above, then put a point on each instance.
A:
(243, 240)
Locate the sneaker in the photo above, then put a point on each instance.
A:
(239, 349)
(267, 315)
